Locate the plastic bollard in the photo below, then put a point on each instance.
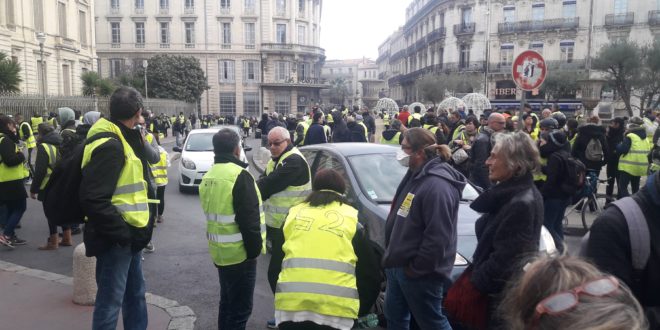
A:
(84, 277)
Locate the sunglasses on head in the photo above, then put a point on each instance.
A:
(564, 301)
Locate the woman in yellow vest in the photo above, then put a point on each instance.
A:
(329, 272)
(48, 154)
(634, 161)
(12, 174)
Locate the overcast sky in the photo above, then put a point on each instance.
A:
(351, 29)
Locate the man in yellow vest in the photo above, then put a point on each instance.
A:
(301, 130)
(286, 183)
(26, 135)
(634, 161)
(393, 135)
(114, 194)
(35, 120)
(235, 228)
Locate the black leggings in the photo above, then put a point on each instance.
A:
(160, 193)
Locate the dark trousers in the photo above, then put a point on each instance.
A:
(160, 194)
(307, 325)
(15, 210)
(612, 175)
(624, 180)
(236, 292)
(553, 218)
(276, 236)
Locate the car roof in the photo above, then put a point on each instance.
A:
(353, 148)
(214, 129)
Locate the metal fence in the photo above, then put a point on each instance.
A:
(28, 105)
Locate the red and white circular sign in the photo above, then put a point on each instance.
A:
(529, 70)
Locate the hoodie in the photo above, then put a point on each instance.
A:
(585, 134)
(41, 164)
(357, 132)
(624, 146)
(420, 232)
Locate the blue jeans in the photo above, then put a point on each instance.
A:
(421, 298)
(120, 286)
(553, 218)
(236, 291)
(15, 210)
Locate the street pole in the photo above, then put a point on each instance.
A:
(41, 37)
(145, 64)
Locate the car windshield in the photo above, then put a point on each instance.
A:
(200, 142)
(380, 174)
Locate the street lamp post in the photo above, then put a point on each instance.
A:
(41, 37)
(145, 64)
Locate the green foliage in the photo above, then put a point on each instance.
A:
(432, 88)
(94, 84)
(176, 77)
(620, 61)
(9, 74)
(561, 84)
(648, 86)
(338, 91)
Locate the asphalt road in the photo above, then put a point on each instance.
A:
(180, 269)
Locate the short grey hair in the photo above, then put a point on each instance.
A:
(281, 132)
(519, 152)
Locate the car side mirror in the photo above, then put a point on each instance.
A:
(247, 148)
(177, 149)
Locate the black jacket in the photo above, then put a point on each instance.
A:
(41, 163)
(555, 171)
(421, 229)
(357, 132)
(609, 248)
(585, 134)
(508, 232)
(246, 207)
(613, 137)
(370, 122)
(105, 226)
(11, 190)
(340, 132)
(478, 154)
(294, 171)
(315, 135)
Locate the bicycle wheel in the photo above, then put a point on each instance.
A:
(590, 207)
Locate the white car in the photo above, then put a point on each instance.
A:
(197, 156)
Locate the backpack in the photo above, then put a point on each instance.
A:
(61, 199)
(594, 151)
(575, 175)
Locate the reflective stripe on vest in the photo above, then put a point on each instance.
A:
(34, 122)
(318, 269)
(159, 170)
(51, 152)
(635, 162)
(224, 237)
(366, 131)
(12, 173)
(130, 195)
(30, 141)
(277, 206)
(393, 141)
(539, 176)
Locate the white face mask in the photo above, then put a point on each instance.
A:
(403, 158)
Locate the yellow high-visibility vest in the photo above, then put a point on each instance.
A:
(277, 206)
(635, 162)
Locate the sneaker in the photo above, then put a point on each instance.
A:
(160, 219)
(271, 324)
(4, 240)
(14, 240)
(149, 248)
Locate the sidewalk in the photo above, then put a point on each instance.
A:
(35, 299)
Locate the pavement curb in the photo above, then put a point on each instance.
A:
(181, 317)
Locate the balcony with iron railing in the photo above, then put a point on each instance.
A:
(163, 10)
(164, 45)
(138, 11)
(654, 17)
(398, 55)
(292, 48)
(555, 24)
(565, 65)
(225, 11)
(309, 82)
(189, 45)
(139, 45)
(464, 29)
(189, 10)
(620, 20)
(114, 11)
(436, 34)
(280, 12)
(115, 45)
(250, 11)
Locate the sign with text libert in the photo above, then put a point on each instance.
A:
(529, 70)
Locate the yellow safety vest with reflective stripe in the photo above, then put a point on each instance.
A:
(246, 123)
(329, 119)
(277, 206)
(30, 141)
(12, 173)
(159, 170)
(222, 232)
(52, 153)
(386, 119)
(539, 176)
(34, 122)
(635, 162)
(130, 195)
(366, 131)
(318, 270)
(305, 126)
(393, 141)
(52, 122)
(414, 116)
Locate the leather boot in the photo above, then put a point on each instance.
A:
(52, 243)
(66, 238)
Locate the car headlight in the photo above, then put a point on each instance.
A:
(460, 261)
(187, 163)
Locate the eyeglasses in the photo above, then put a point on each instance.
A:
(566, 300)
(275, 143)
